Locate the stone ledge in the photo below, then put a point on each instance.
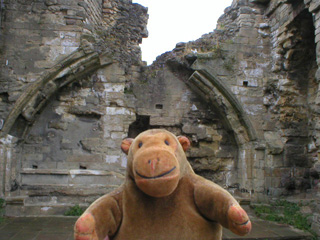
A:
(58, 177)
(67, 190)
(19, 200)
(68, 172)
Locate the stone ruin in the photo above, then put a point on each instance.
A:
(73, 85)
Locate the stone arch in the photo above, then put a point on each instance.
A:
(216, 93)
(78, 64)
(35, 100)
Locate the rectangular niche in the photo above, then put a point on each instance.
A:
(159, 106)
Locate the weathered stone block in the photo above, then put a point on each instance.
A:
(275, 144)
(46, 164)
(51, 2)
(68, 165)
(317, 18)
(307, 1)
(314, 6)
(317, 38)
(66, 144)
(241, 40)
(192, 129)
(112, 158)
(119, 111)
(245, 10)
(44, 179)
(88, 111)
(316, 223)
(201, 152)
(111, 87)
(114, 127)
(317, 165)
(96, 177)
(259, 1)
(85, 158)
(163, 121)
(112, 74)
(33, 157)
(58, 125)
(118, 135)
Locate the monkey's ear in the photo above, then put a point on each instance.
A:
(185, 143)
(125, 145)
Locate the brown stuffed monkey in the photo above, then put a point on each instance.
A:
(161, 198)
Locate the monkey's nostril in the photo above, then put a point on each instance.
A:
(149, 161)
(158, 159)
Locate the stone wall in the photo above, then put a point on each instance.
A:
(164, 101)
(39, 34)
(44, 35)
(258, 69)
(294, 65)
(64, 111)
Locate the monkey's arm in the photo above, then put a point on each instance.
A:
(101, 220)
(218, 205)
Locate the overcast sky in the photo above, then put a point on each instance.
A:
(173, 21)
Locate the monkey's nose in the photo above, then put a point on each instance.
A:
(153, 163)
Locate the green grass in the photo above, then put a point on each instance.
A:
(286, 212)
(74, 211)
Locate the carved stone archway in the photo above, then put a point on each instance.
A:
(76, 66)
(217, 94)
(81, 62)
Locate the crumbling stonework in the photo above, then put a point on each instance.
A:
(64, 102)
(73, 86)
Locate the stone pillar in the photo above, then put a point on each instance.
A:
(8, 164)
(314, 8)
(120, 113)
(316, 223)
(245, 167)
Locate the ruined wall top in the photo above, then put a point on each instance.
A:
(39, 35)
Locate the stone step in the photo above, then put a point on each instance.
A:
(46, 205)
(60, 200)
(50, 195)
(43, 206)
(66, 190)
(36, 211)
(49, 192)
(261, 230)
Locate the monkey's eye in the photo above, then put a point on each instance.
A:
(140, 144)
(167, 142)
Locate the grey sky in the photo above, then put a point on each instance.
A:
(173, 21)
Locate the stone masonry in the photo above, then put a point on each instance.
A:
(63, 108)
(73, 85)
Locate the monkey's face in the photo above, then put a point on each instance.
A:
(155, 165)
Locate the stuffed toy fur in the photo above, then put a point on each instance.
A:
(161, 198)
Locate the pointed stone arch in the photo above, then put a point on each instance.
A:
(216, 93)
(219, 95)
(78, 64)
